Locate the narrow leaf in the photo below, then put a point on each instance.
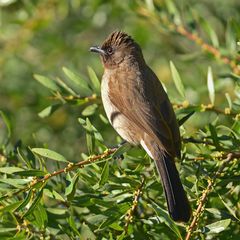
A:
(10, 170)
(49, 154)
(34, 204)
(214, 136)
(121, 150)
(46, 112)
(185, 118)
(217, 227)
(90, 110)
(7, 123)
(210, 85)
(104, 174)
(210, 31)
(31, 172)
(46, 82)
(164, 217)
(229, 100)
(81, 83)
(177, 80)
(25, 201)
(94, 79)
(71, 188)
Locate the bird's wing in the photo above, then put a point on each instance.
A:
(141, 98)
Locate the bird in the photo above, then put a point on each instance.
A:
(139, 109)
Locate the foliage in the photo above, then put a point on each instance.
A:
(63, 174)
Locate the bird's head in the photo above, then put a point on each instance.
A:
(118, 47)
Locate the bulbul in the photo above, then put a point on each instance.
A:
(139, 110)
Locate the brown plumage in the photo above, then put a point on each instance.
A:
(139, 109)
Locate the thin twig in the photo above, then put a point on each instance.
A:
(205, 194)
(209, 108)
(70, 167)
(166, 22)
(129, 215)
(208, 48)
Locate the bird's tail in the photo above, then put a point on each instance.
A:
(178, 205)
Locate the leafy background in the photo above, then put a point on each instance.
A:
(52, 119)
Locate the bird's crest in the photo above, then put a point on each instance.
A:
(118, 38)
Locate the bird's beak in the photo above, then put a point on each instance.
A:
(97, 50)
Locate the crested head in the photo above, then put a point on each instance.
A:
(118, 39)
(118, 47)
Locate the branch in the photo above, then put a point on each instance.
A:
(209, 108)
(208, 48)
(70, 167)
(164, 21)
(129, 215)
(205, 194)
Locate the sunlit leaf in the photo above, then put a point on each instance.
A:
(34, 203)
(94, 79)
(217, 227)
(165, 218)
(49, 154)
(90, 110)
(7, 123)
(10, 170)
(25, 201)
(46, 82)
(210, 85)
(81, 83)
(46, 112)
(71, 188)
(177, 80)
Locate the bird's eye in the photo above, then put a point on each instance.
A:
(109, 50)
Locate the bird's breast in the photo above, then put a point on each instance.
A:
(120, 123)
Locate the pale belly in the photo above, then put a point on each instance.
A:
(120, 123)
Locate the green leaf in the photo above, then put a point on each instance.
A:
(46, 112)
(40, 217)
(185, 118)
(34, 203)
(229, 100)
(17, 183)
(25, 201)
(90, 110)
(214, 136)
(121, 150)
(75, 78)
(230, 36)
(32, 172)
(114, 213)
(104, 174)
(177, 80)
(66, 87)
(210, 85)
(6, 230)
(11, 207)
(210, 31)
(94, 79)
(10, 170)
(46, 82)
(44, 152)
(7, 123)
(172, 9)
(71, 188)
(89, 137)
(86, 231)
(165, 218)
(229, 208)
(217, 227)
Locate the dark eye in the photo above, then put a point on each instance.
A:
(109, 50)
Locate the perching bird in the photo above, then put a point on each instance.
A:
(139, 110)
